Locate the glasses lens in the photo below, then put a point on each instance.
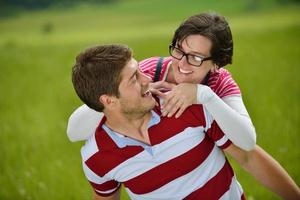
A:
(191, 59)
(175, 52)
(195, 60)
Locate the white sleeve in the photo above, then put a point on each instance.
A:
(231, 116)
(83, 123)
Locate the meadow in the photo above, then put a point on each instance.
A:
(38, 49)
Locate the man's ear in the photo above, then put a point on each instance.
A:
(107, 100)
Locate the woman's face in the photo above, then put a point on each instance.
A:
(183, 72)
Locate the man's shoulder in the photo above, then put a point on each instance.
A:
(89, 149)
(95, 144)
(95, 152)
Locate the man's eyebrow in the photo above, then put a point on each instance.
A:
(133, 74)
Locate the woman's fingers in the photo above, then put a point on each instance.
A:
(181, 110)
(158, 93)
(181, 97)
(175, 108)
(162, 86)
(170, 106)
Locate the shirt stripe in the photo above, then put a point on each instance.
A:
(170, 170)
(216, 186)
(185, 185)
(133, 167)
(184, 160)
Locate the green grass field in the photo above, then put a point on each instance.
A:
(37, 51)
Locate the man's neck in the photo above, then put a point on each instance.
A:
(135, 127)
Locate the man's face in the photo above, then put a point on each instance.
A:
(184, 72)
(135, 97)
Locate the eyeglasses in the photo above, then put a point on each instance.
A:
(191, 59)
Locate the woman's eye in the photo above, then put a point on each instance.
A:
(197, 58)
(177, 51)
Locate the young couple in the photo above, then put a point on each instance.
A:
(169, 145)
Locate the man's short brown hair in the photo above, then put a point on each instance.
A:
(97, 71)
(215, 28)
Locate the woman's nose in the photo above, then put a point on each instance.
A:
(183, 62)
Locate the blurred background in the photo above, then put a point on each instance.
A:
(39, 40)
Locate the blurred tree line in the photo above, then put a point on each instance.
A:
(14, 7)
(41, 4)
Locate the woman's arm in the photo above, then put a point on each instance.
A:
(83, 123)
(230, 112)
(231, 115)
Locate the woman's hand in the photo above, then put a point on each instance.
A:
(178, 99)
(159, 88)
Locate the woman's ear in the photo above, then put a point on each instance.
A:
(214, 68)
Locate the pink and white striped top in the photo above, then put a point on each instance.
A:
(220, 81)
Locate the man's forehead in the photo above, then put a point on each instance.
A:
(130, 68)
(132, 65)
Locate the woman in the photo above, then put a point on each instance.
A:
(200, 47)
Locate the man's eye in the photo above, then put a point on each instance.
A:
(134, 79)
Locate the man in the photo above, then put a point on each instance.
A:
(157, 157)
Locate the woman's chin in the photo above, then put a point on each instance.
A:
(180, 79)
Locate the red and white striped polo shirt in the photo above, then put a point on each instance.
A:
(184, 160)
(220, 81)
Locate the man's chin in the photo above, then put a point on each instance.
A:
(151, 106)
(148, 108)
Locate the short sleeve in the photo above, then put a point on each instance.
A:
(217, 135)
(222, 83)
(213, 131)
(101, 185)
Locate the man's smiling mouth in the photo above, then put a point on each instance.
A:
(147, 93)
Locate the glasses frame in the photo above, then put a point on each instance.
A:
(172, 47)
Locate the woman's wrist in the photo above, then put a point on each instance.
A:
(204, 94)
